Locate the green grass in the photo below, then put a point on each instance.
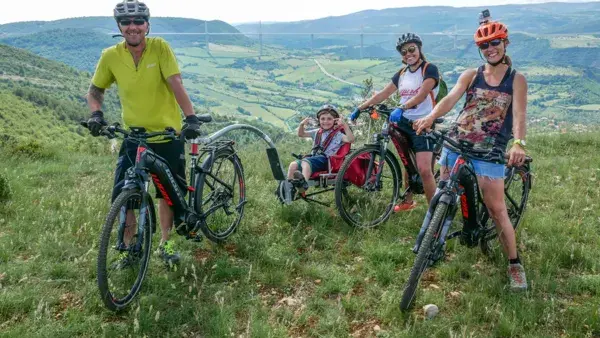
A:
(298, 270)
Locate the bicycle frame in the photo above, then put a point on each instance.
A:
(461, 188)
(402, 145)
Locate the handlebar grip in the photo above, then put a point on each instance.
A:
(84, 124)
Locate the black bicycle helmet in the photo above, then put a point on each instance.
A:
(407, 38)
(129, 8)
(328, 108)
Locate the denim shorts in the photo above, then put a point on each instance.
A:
(317, 163)
(482, 168)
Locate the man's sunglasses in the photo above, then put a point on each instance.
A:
(493, 43)
(135, 21)
(410, 49)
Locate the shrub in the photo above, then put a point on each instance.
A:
(5, 192)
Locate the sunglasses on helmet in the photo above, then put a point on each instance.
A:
(493, 43)
(129, 21)
(410, 49)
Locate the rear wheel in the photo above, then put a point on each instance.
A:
(426, 255)
(221, 196)
(361, 198)
(122, 267)
(517, 185)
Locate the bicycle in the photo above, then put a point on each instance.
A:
(215, 206)
(367, 170)
(462, 190)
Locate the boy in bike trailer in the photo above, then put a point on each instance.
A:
(332, 133)
(495, 109)
(151, 93)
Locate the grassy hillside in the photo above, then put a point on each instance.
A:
(41, 100)
(78, 48)
(299, 270)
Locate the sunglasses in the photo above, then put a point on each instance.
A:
(410, 49)
(135, 21)
(493, 43)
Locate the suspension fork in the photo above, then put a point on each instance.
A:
(193, 163)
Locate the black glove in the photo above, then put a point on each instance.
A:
(96, 122)
(191, 128)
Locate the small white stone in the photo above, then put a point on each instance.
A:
(430, 310)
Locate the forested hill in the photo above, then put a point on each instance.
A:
(40, 99)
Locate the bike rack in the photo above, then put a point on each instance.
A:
(272, 154)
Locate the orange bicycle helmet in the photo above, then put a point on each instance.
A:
(491, 31)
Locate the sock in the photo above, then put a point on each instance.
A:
(515, 260)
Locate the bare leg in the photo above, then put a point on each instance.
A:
(306, 171)
(493, 197)
(165, 215)
(130, 227)
(292, 168)
(424, 159)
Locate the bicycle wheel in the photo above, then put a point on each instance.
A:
(427, 250)
(122, 267)
(517, 185)
(361, 199)
(221, 196)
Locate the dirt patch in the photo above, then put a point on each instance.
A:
(365, 329)
(201, 255)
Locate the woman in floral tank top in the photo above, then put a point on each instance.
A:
(494, 111)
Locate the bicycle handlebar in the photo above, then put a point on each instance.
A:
(385, 111)
(138, 133)
(466, 148)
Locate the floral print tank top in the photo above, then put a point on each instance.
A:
(486, 119)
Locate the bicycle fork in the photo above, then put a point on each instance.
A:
(446, 197)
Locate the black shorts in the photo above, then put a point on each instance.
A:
(418, 143)
(173, 152)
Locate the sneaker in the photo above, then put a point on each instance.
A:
(405, 206)
(516, 275)
(301, 184)
(168, 254)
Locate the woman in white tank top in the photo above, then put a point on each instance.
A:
(417, 84)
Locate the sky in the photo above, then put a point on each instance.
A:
(230, 11)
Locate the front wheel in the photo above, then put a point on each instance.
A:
(125, 245)
(221, 196)
(425, 256)
(517, 185)
(367, 187)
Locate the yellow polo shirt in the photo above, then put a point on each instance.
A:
(146, 97)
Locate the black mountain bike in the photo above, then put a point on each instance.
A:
(215, 206)
(369, 200)
(462, 190)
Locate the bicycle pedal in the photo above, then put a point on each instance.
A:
(194, 237)
(182, 229)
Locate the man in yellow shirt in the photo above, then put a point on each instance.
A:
(151, 92)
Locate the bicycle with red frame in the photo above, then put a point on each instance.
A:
(461, 192)
(372, 176)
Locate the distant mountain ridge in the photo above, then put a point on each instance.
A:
(79, 42)
(532, 29)
(547, 18)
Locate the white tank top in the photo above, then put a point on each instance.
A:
(409, 85)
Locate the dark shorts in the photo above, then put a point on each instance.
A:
(173, 152)
(317, 163)
(418, 143)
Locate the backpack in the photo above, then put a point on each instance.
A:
(442, 86)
